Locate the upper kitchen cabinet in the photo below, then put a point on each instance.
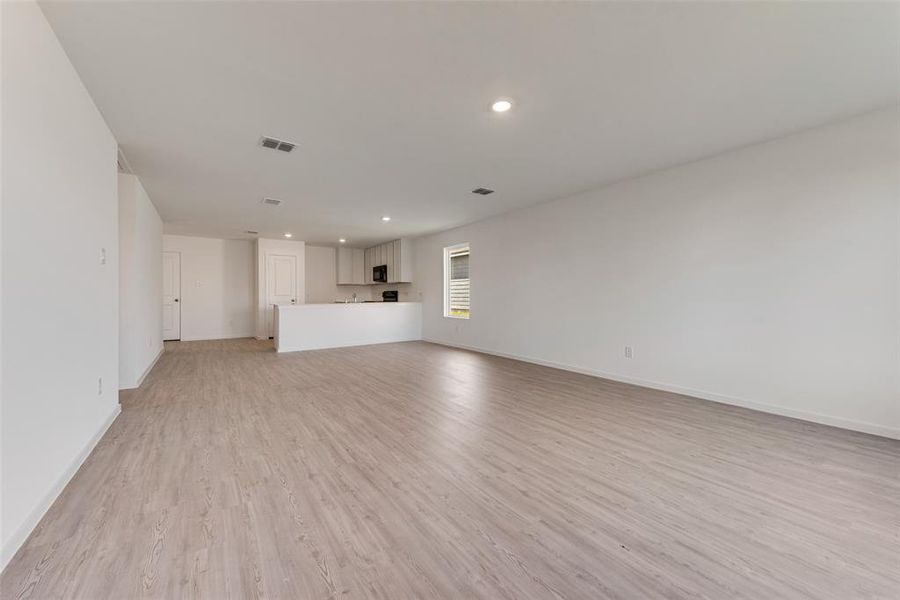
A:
(351, 266)
(359, 265)
(389, 261)
(397, 256)
(368, 263)
(401, 252)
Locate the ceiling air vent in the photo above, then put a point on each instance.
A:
(276, 144)
(482, 191)
(271, 201)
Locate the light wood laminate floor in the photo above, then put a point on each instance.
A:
(418, 471)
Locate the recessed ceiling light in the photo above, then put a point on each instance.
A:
(342, 240)
(288, 235)
(501, 105)
(385, 219)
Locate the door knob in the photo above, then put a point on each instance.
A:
(176, 299)
(293, 300)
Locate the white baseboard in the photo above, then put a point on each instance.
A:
(146, 372)
(152, 364)
(861, 426)
(15, 541)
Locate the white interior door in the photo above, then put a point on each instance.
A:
(171, 295)
(281, 285)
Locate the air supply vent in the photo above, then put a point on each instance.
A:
(271, 201)
(482, 191)
(276, 144)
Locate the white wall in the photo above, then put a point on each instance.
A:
(60, 304)
(217, 291)
(140, 282)
(764, 277)
(321, 278)
(265, 247)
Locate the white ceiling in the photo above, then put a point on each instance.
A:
(390, 102)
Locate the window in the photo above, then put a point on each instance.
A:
(456, 281)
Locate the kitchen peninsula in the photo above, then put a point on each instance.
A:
(334, 325)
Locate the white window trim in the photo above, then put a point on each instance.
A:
(446, 282)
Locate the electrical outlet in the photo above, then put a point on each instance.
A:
(628, 353)
(102, 256)
(99, 386)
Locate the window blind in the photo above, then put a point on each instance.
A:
(459, 283)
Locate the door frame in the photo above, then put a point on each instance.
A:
(269, 331)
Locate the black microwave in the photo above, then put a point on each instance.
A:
(379, 274)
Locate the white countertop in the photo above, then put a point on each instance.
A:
(340, 303)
